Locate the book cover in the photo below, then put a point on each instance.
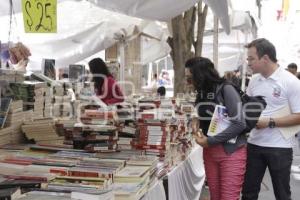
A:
(219, 122)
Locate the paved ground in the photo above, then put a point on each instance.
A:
(266, 192)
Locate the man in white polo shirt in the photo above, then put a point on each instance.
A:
(266, 145)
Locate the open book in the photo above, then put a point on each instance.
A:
(287, 132)
(219, 122)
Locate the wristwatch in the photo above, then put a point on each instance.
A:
(271, 123)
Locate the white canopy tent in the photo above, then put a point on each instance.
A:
(85, 29)
(231, 47)
(145, 9)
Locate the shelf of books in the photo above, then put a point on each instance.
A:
(57, 145)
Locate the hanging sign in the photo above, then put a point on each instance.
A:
(39, 16)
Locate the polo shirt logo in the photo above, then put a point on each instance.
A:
(276, 92)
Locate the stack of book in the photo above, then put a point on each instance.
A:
(58, 90)
(62, 107)
(120, 155)
(78, 86)
(65, 127)
(62, 101)
(154, 137)
(95, 138)
(5, 135)
(144, 160)
(24, 185)
(47, 111)
(45, 195)
(11, 76)
(35, 96)
(127, 136)
(21, 172)
(147, 103)
(42, 131)
(126, 112)
(15, 120)
(99, 117)
(15, 115)
(131, 182)
(93, 195)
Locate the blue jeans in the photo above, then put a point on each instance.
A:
(278, 161)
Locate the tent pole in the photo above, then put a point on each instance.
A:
(244, 69)
(216, 42)
(122, 64)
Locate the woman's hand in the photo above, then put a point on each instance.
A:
(201, 139)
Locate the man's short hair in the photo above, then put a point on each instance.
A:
(263, 47)
(292, 66)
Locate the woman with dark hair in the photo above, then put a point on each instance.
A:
(105, 85)
(224, 160)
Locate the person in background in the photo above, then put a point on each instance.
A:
(161, 91)
(267, 148)
(65, 76)
(292, 67)
(105, 85)
(224, 162)
(144, 81)
(154, 83)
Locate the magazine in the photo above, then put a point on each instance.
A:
(219, 122)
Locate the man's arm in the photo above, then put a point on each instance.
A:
(290, 120)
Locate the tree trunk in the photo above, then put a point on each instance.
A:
(178, 53)
(183, 29)
(201, 27)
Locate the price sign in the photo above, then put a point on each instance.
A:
(39, 16)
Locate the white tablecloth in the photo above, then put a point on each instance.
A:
(185, 181)
(155, 192)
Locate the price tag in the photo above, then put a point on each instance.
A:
(40, 16)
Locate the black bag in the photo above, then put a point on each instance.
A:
(252, 106)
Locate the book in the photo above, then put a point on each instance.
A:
(45, 195)
(219, 122)
(142, 160)
(93, 195)
(23, 184)
(132, 174)
(10, 193)
(49, 68)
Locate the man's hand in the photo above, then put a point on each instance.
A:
(262, 123)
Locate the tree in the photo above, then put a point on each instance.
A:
(187, 32)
